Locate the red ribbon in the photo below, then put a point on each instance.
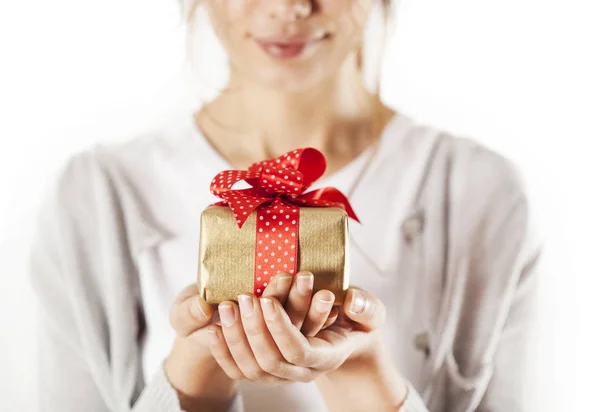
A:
(277, 191)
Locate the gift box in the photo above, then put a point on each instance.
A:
(274, 226)
(227, 253)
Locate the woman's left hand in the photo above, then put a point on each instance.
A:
(265, 345)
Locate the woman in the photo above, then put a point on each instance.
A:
(444, 261)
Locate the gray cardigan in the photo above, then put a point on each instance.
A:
(478, 243)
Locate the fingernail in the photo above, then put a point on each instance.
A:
(283, 283)
(196, 309)
(213, 336)
(358, 302)
(323, 306)
(268, 308)
(246, 305)
(304, 284)
(227, 314)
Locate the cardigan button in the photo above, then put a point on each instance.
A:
(412, 226)
(421, 342)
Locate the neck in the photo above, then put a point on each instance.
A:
(248, 122)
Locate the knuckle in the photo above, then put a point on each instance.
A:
(220, 355)
(235, 374)
(181, 327)
(307, 378)
(270, 364)
(280, 323)
(277, 328)
(235, 339)
(336, 361)
(373, 308)
(253, 330)
(256, 374)
(297, 357)
(174, 318)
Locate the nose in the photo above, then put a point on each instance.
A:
(289, 10)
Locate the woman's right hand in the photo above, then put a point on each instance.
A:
(191, 368)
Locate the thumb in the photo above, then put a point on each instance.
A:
(364, 308)
(190, 312)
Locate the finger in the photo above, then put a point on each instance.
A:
(321, 305)
(189, 312)
(238, 345)
(279, 287)
(263, 346)
(298, 301)
(333, 315)
(221, 353)
(292, 345)
(364, 309)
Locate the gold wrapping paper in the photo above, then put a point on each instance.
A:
(226, 255)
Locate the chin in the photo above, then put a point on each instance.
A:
(290, 79)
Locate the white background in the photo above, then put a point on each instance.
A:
(518, 75)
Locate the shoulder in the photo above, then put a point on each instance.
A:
(91, 172)
(478, 181)
(453, 165)
(102, 182)
(469, 186)
(121, 161)
(479, 171)
(440, 153)
(487, 195)
(111, 158)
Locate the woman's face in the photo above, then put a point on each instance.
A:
(288, 44)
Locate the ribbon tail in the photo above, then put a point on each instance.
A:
(327, 195)
(242, 203)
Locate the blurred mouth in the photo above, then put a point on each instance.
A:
(289, 47)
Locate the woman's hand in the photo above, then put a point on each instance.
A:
(259, 341)
(191, 367)
(244, 347)
(267, 341)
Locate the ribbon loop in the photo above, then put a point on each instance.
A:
(287, 177)
(279, 181)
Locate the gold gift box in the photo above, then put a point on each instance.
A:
(226, 255)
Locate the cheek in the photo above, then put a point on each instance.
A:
(238, 8)
(228, 15)
(333, 7)
(339, 7)
(348, 16)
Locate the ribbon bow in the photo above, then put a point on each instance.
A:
(278, 189)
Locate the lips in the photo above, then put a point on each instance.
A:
(287, 47)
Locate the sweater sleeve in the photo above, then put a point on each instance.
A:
(514, 384)
(490, 363)
(88, 315)
(159, 396)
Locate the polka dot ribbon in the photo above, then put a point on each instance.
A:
(278, 190)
